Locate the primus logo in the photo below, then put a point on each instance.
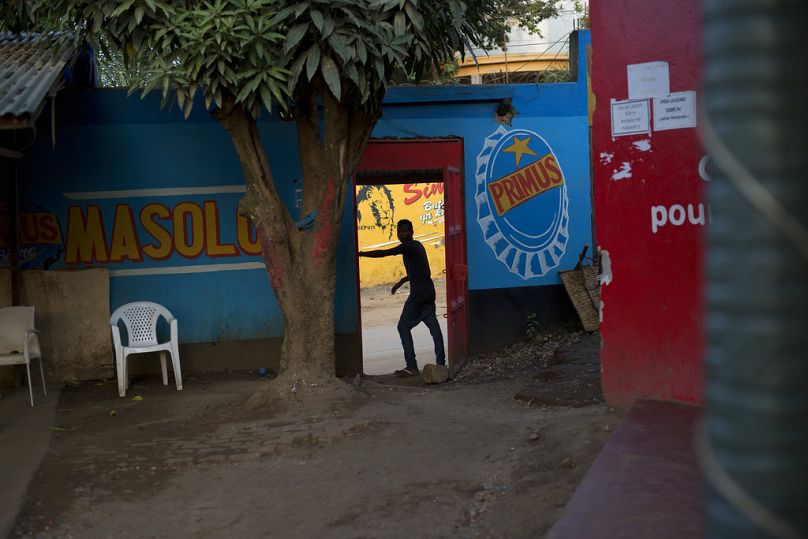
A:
(522, 203)
(526, 183)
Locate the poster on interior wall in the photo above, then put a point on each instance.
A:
(522, 202)
(379, 208)
(41, 242)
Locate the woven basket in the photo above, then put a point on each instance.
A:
(584, 291)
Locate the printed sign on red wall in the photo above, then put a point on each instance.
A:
(649, 206)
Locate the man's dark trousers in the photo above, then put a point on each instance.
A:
(414, 313)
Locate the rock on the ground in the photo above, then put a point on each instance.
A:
(435, 374)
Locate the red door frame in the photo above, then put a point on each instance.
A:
(420, 154)
(456, 268)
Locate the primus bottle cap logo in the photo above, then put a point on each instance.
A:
(522, 203)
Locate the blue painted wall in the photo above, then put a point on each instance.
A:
(108, 142)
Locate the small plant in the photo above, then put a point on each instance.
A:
(532, 326)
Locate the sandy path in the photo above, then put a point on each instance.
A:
(379, 307)
(459, 460)
(380, 341)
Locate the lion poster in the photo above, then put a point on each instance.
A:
(379, 208)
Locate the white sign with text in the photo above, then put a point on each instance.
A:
(631, 117)
(651, 79)
(675, 111)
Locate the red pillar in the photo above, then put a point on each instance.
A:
(649, 205)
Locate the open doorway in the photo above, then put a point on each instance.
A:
(383, 197)
(423, 170)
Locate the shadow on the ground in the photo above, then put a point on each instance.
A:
(572, 377)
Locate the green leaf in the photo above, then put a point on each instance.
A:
(312, 61)
(352, 73)
(401, 40)
(278, 73)
(266, 98)
(318, 19)
(339, 46)
(416, 18)
(331, 76)
(122, 8)
(294, 36)
(247, 89)
(281, 16)
(295, 69)
(361, 51)
(379, 64)
(400, 23)
(277, 93)
(328, 27)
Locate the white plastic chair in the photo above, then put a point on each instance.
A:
(19, 343)
(140, 319)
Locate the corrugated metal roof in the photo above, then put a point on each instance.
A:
(29, 68)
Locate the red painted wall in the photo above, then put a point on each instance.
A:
(652, 309)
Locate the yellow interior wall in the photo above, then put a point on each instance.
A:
(421, 203)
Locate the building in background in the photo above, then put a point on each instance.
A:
(152, 198)
(529, 57)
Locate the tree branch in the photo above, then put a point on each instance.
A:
(361, 126)
(310, 147)
(338, 159)
(262, 203)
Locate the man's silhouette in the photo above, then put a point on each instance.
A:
(420, 306)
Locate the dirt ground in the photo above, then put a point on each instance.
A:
(396, 459)
(379, 307)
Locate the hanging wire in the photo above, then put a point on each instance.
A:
(501, 77)
(565, 38)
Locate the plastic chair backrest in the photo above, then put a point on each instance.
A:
(14, 322)
(140, 319)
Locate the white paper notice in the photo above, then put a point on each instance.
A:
(675, 111)
(632, 117)
(650, 79)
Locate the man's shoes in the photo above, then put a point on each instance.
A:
(407, 371)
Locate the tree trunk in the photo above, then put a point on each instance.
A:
(301, 263)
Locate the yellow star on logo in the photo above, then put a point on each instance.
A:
(519, 148)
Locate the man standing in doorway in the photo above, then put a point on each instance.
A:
(420, 306)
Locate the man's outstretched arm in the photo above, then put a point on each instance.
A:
(381, 253)
(398, 285)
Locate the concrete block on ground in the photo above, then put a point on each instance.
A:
(72, 316)
(435, 374)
